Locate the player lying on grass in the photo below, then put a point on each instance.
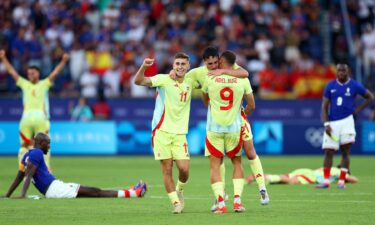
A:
(304, 176)
(33, 168)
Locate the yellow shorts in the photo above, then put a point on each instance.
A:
(31, 124)
(170, 146)
(217, 142)
(305, 176)
(245, 128)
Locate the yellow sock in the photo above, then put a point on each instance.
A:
(256, 167)
(173, 197)
(222, 174)
(218, 190)
(238, 186)
(21, 153)
(180, 186)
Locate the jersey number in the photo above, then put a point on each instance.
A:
(183, 96)
(226, 94)
(339, 101)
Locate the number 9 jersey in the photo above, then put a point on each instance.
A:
(226, 94)
(342, 98)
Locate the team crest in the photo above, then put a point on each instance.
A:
(347, 92)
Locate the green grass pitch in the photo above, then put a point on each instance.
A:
(289, 204)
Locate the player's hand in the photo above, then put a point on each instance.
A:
(216, 72)
(65, 57)
(247, 110)
(2, 54)
(328, 130)
(147, 62)
(172, 75)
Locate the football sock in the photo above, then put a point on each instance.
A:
(173, 198)
(222, 174)
(127, 193)
(237, 199)
(217, 188)
(257, 169)
(326, 173)
(343, 172)
(238, 186)
(273, 179)
(180, 186)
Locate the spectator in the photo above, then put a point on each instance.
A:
(111, 81)
(89, 84)
(82, 111)
(101, 109)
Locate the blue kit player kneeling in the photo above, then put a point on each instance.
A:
(33, 168)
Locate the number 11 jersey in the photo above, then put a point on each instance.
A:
(172, 107)
(226, 94)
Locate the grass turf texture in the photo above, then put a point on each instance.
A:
(289, 204)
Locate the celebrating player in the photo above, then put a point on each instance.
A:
(170, 124)
(211, 60)
(33, 168)
(35, 116)
(304, 176)
(225, 94)
(338, 109)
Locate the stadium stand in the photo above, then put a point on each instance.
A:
(292, 43)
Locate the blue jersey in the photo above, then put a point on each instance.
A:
(342, 98)
(42, 177)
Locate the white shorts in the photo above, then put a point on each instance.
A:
(344, 130)
(59, 189)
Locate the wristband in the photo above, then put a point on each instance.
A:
(326, 124)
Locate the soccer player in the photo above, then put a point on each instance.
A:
(224, 94)
(170, 123)
(254, 161)
(35, 116)
(338, 111)
(33, 168)
(305, 176)
(211, 60)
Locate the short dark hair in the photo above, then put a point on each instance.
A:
(181, 55)
(229, 57)
(210, 51)
(32, 67)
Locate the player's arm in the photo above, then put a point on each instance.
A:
(205, 99)
(140, 78)
(29, 173)
(325, 119)
(17, 180)
(238, 72)
(369, 97)
(59, 67)
(250, 103)
(10, 69)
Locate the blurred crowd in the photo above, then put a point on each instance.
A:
(280, 42)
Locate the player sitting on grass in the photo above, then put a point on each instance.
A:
(304, 176)
(33, 168)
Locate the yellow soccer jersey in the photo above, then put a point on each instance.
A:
(172, 107)
(35, 96)
(225, 93)
(199, 74)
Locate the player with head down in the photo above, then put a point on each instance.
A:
(33, 169)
